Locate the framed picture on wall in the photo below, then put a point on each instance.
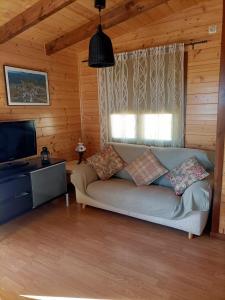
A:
(26, 87)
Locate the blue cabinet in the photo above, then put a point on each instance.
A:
(48, 183)
(26, 187)
(15, 196)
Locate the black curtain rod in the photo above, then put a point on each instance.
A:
(185, 44)
(196, 43)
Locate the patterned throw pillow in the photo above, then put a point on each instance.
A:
(145, 169)
(185, 174)
(106, 163)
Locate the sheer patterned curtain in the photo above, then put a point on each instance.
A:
(141, 98)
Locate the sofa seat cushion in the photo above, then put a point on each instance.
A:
(150, 200)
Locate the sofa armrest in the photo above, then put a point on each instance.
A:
(82, 176)
(196, 197)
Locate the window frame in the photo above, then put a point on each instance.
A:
(139, 119)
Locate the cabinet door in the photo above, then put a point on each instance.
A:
(15, 197)
(15, 206)
(12, 187)
(48, 183)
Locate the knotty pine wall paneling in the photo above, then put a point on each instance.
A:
(88, 92)
(202, 76)
(58, 125)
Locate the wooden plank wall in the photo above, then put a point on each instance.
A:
(202, 81)
(58, 125)
(88, 91)
(203, 72)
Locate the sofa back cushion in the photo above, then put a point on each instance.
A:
(172, 157)
(146, 168)
(106, 163)
(186, 174)
(128, 152)
(169, 158)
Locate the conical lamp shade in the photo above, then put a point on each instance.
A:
(100, 50)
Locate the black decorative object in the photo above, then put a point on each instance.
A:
(100, 4)
(45, 155)
(100, 47)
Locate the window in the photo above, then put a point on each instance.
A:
(149, 84)
(123, 126)
(157, 127)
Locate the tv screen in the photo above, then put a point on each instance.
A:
(17, 140)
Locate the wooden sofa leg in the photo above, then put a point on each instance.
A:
(83, 206)
(190, 235)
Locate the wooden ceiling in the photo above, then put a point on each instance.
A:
(80, 12)
(68, 18)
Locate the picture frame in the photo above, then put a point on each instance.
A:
(26, 86)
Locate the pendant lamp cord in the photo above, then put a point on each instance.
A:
(100, 16)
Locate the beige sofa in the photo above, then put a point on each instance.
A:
(155, 203)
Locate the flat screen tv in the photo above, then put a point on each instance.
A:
(17, 140)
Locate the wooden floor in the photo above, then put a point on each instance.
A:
(94, 254)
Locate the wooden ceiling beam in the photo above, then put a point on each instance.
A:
(84, 12)
(128, 9)
(30, 17)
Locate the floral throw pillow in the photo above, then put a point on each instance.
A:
(185, 174)
(145, 169)
(106, 163)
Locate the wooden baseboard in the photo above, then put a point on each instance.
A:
(219, 236)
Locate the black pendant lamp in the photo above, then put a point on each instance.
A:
(100, 47)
